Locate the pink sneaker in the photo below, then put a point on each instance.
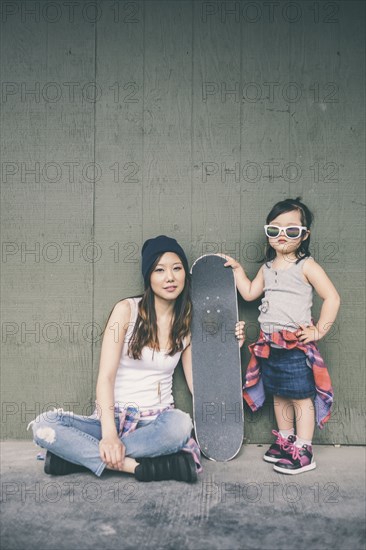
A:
(279, 448)
(298, 460)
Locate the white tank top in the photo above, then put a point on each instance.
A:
(146, 382)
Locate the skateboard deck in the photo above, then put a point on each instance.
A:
(217, 382)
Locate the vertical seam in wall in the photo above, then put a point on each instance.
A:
(289, 106)
(143, 124)
(93, 210)
(240, 130)
(192, 119)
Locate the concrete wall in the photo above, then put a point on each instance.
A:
(181, 118)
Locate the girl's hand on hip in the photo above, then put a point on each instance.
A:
(112, 452)
(308, 334)
(239, 332)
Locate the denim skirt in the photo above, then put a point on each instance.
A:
(286, 373)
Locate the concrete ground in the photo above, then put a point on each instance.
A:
(242, 504)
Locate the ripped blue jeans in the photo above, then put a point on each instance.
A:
(76, 438)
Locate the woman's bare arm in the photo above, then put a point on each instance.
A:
(111, 448)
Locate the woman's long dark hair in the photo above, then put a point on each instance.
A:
(145, 332)
(306, 220)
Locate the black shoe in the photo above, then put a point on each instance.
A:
(179, 466)
(57, 466)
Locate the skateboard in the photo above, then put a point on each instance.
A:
(217, 382)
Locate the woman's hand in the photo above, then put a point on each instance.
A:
(239, 332)
(112, 452)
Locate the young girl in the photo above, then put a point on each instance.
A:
(135, 427)
(285, 360)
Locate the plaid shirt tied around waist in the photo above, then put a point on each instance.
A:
(253, 389)
(129, 418)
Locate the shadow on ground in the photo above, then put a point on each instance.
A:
(242, 504)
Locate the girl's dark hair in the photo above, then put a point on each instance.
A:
(306, 220)
(145, 332)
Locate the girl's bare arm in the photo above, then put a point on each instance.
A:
(250, 290)
(324, 287)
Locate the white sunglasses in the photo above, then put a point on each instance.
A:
(291, 232)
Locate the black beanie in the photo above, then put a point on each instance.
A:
(153, 248)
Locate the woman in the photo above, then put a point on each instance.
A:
(135, 427)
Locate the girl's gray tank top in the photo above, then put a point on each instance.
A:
(287, 300)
